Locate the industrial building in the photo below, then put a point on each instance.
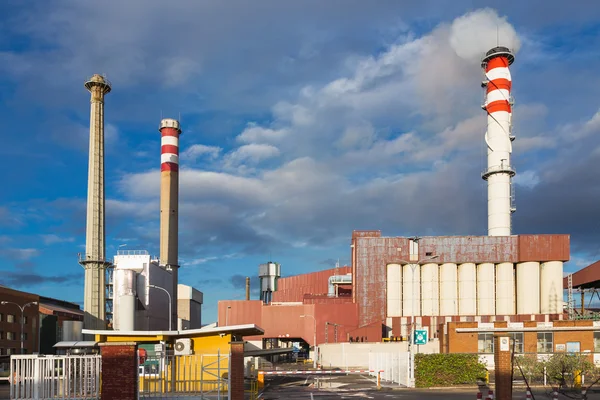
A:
(395, 284)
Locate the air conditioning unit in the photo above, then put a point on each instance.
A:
(183, 347)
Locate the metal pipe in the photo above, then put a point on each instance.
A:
(247, 288)
(22, 308)
(170, 305)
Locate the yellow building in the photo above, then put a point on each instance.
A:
(191, 361)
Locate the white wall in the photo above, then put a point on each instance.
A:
(356, 355)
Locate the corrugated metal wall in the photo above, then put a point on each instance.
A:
(544, 248)
(293, 288)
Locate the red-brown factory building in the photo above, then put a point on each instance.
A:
(395, 280)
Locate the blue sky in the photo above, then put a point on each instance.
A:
(302, 121)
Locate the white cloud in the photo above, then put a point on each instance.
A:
(197, 150)
(528, 179)
(251, 154)
(20, 254)
(50, 239)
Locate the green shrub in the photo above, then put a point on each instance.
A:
(448, 370)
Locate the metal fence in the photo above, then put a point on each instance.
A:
(190, 376)
(55, 377)
(395, 366)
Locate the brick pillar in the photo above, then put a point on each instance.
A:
(119, 371)
(236, 374)
(503, 367)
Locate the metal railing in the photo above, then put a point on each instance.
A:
(199, 376)
(55, 377)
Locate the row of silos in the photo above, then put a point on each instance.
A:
(474, 289)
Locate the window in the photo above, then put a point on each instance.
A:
(545, 342)
(10, 318)
(8, 352)
(23, 336)
(597, 342)
(1, 351)
(517, 339)
(485, 343)
(10, 336)
(1, 317)
(25, 320)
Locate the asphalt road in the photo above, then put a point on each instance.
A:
(362, 387)
(4, 390)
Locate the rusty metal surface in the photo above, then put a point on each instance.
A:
(544, 248)
(293, 288)
(357, 234)
(588, 277)
(472, 249)
(371, 255)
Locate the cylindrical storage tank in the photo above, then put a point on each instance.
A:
(551, 287)
(448, 289)
(467, 289)
(124, 310)
(505, 289)
(528, 288)
(394, 290)
(411, 290)
(486, 289)
(430, 286)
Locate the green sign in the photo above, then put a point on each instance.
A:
(420, 336)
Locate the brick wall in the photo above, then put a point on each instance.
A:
(461, 342)
(503, 369)
(119, 371)
(236, 379)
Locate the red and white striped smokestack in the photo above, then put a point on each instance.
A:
(498, 105)
(169, 204)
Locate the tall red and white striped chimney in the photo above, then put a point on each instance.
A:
(498, 105)
(169, 205)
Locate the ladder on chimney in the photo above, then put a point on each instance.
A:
(570, 300)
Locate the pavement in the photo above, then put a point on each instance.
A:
(4, 390)
(363, 387)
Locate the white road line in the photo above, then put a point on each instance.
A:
(311, 396)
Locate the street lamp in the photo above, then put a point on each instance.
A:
(314, 339)
(168, 294)
(227, 315)
(413, 266)
(22, 308)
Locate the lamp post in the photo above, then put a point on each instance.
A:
(168, 294)
(413, 266)
(314, 338)
(227, 315)
(22, 308)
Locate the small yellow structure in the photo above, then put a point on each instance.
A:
(191, 361)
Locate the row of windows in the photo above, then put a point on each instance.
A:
(12, 336)
(7, 351)
(545, 342)
(11, 318)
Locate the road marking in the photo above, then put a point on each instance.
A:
(306, 381)
(311, 396)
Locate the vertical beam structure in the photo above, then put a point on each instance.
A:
(94, 262)
(498, 139)
(169, 205)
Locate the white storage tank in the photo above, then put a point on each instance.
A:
(551, 287)
(448, 289)
(486, 289)
(528, 288)
(411, 290)
(505, 289)
(124, 307)
(430, 286)
(467, 289)
(394, 290)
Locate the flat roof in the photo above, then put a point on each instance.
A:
(88, 343)
(243, 330)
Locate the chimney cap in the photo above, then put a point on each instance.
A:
(169, 123)
(498, 51)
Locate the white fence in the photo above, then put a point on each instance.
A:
(55, 377)
(395, 366)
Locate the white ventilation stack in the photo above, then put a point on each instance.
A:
(498, 103)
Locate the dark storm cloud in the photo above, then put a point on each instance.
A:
(21, 279)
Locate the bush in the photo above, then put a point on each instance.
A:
(448, 370)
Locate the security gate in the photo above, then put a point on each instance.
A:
(35, 377)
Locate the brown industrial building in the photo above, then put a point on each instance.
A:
(10, 322)
(482, 279)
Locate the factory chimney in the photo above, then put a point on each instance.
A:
(94, 261)
(247, 288)
(498, 103)
(169, 204)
